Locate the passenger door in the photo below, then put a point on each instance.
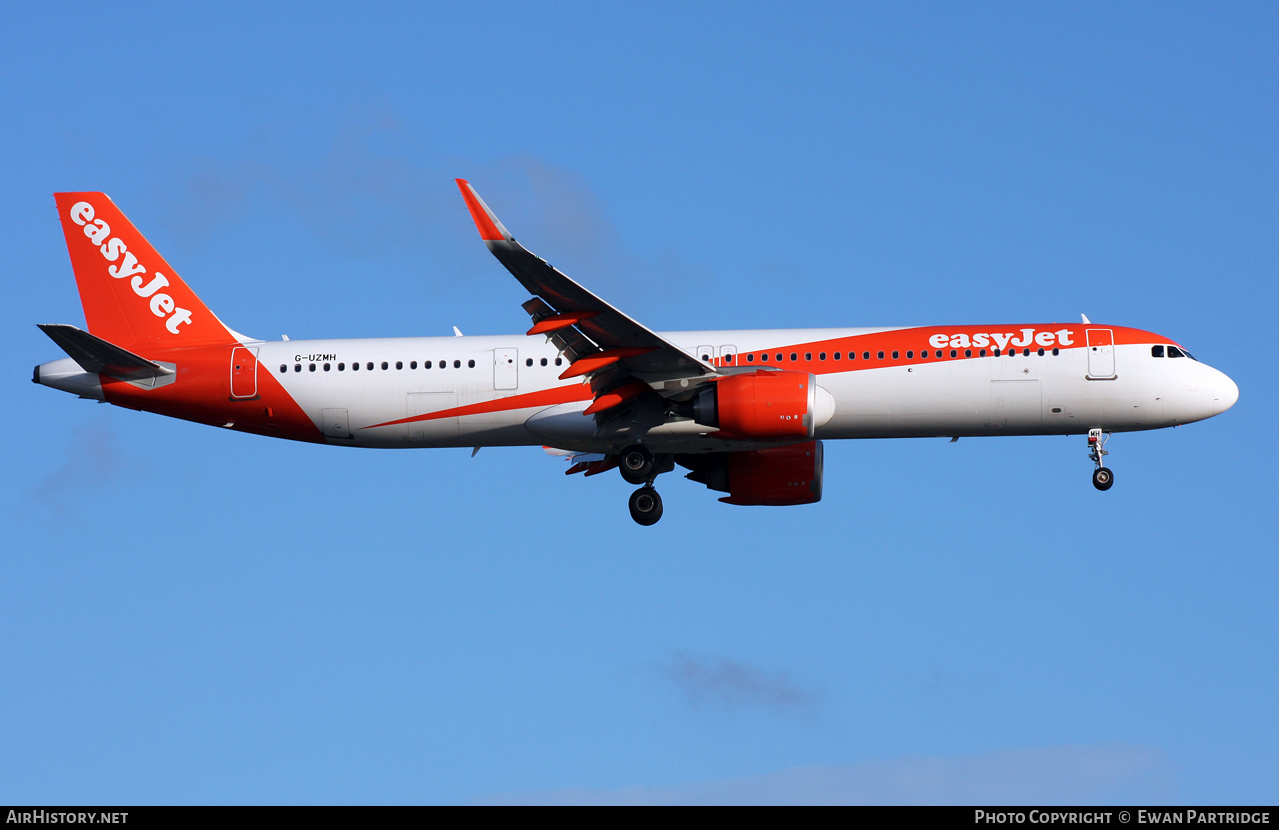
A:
(1101, 354)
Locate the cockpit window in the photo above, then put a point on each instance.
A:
(1173, 351)
(1156, 351)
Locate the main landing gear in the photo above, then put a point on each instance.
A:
(639, 466)
(646, 506)
(1102, 477)
(636, 464)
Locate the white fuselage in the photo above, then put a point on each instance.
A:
(517, 378)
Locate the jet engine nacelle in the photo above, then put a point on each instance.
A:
(778, 476)
(764, 405)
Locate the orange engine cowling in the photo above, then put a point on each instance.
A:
(779, 476)
(763, 405)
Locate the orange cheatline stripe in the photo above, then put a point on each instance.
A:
(545, 397)
(915, 340)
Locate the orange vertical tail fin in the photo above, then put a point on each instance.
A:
(131, 296)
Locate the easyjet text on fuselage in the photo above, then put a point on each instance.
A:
(1021, 339)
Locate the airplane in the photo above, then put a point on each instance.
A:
(745, 412)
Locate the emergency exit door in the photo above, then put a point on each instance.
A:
(506, 368)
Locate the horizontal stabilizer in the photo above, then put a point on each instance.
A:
(99, 357)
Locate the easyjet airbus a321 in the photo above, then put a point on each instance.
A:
(744, 411)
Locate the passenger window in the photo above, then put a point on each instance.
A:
(543, 361)
(910, 354)
(311, 368)
(399, 364)
(412, 364)
(896, 355)
(1056, 351)
(821, 355)
(470, 364)
(528, 361)
(1025, 352)
(764, 357)
(355, 367)
(728, 358)
(939, 353)
(954, 353)
(706, 357)
(1041, 352)
(559, 361)
(793, 357)
(779, 357)
(996, 352)
(341, 367)
(850, 355)
(283, 368)
(865, 355)
(457, 364)
(750, 358)
(326, 367)
(1156, 351)
(385, 366)
(426, 364)
(297, 367)
(1173, 351)
(369, 366)
(982, 353)
(923, 354)
(880, 355)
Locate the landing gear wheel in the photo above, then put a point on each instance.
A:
(1102, 477)
(646, 506)
(636, 464)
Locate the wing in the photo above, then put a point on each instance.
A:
(624, 360)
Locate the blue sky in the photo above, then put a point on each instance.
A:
(191, 615)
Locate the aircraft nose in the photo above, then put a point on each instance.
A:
(1224, 393)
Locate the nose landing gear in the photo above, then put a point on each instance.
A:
(1102, 477)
